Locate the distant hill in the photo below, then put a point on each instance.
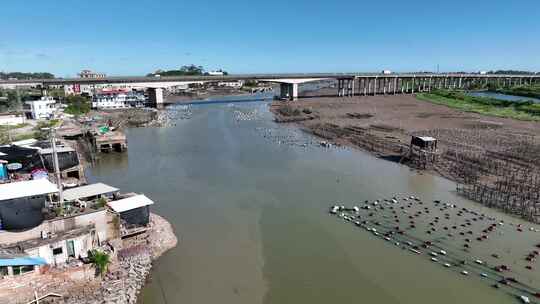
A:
(512, 72)
(25, 76)
(186, 70)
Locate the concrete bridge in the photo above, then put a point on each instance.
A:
(413, 83)
(348, 84)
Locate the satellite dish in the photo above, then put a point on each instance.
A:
(14, 166)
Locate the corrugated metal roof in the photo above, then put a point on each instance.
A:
(130, 203)
(26, 188)
(88, 191)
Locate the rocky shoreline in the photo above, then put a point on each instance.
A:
(124, 281)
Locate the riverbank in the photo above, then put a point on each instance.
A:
(131, 262)
(525, 91)
(522, 110)
(478, 152)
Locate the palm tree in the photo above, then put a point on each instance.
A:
(100, 260)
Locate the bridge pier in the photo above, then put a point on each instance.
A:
(345, 87)
(155, 96)
(288, 91)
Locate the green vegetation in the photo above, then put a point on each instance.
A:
(57, 93)
(77, 105)
(523, 110)
(5, 137)
(100, 203)
(186, 70)
(5, 128)
(11, 99)
(526, 91)
(511, 72)
(21, 75)
(41, 134)
(250, 83)
(100, 260)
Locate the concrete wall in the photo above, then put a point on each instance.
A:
(103, 221)
(82, 244)
(12, 119)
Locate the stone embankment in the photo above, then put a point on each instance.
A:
(131, 264)
(124, 281)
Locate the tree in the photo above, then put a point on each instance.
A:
(185, 70)
(21, 75)
(77, 105)
(100, 261)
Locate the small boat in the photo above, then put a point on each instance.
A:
(415, 251)
(434, 259)
(483, 275)
(464, 272)
(447, 265)
(434, 254)
(479, 262)
(524, 299)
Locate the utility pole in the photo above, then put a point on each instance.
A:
(56, 167)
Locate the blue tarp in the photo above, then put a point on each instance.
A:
(25, 261)
(3, 172)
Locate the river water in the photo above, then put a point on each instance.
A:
(249, 202)
(503, 96)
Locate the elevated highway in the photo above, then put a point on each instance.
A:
(348, 84)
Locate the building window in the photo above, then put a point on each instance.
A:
(70, 247)
(57, 251)
(18, 270)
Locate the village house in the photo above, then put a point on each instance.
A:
(43, 108)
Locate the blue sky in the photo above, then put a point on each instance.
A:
(136, 37)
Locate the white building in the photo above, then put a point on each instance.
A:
(12, 119)
(216, 73)
(56, 249)
(90, 74)
(231, 84)
(42, 108)
(117, 100)
(386, 72)
(78, 89)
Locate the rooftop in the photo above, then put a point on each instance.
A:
(427, 138)
(26, 188)
(88, 191)
(56, 237)
(58, 150)
(130, 203)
